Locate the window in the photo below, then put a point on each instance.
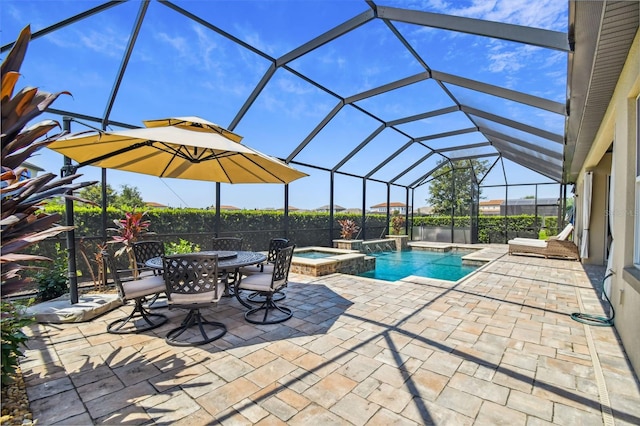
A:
(636, 245)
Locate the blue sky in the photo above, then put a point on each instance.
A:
(180, 68)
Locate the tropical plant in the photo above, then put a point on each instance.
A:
(53, 281)
(181, 247)
(23, 222)
(397, 223)
(129, 230)
(348, 228)
(12, 321)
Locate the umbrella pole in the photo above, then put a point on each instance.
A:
(217, 224)
(72, 275)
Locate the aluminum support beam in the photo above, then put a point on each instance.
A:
(492, 134)
(389, 158)
(315, 131)
(388, 87)
(543, 162)
(515, 124)
(424, 115)
(501, 92)
(65, 22)
(520, 34)
(364, 143)
(411, 167)
(459, 147)
(325, 38)
(254, 95)
(536, 167)
(125, 61)
(446, 134)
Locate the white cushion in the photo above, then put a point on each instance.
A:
(195, 298)
(528, 242)
(565, 232)
(256, 282)
(267, 268)
(146, 286)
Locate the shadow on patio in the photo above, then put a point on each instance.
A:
(499, 346)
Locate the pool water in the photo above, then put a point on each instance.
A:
(314, 254)
(393, 266)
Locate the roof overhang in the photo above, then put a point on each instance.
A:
(602, 34)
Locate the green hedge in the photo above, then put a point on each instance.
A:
(258, 226)
(491, 229)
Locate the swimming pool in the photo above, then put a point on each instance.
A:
(393, 266)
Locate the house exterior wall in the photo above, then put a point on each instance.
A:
(619, 125)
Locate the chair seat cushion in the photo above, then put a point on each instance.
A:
(197, 298)
(145, 286)
(256, 282)
(266, 268)
(528, 242)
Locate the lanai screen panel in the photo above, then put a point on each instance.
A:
(285, 112)
(375, 152)
(269, 26)
(190, 65)
(434, 125)
(339, 137)
(94, 67)
(509, 109)
(404, 102)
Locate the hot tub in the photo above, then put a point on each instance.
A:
(318, 261)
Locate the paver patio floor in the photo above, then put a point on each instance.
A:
(498, 347)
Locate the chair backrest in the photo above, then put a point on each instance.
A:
(110, 264)
(281, 267)
(145, 250)
(565, 232)
(192, 274)
(275, 245)
(227, 244)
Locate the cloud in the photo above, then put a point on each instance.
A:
(548, 14)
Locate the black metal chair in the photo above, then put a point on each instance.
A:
(137, 290)
(228, 244)
(143, 251)
(266, 267)
(192, 282)
(267, 285)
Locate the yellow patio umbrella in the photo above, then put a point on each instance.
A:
(181, 151)
(193, 122)
(181, 148)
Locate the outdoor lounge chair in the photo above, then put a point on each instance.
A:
(192, 282)
(556, 246)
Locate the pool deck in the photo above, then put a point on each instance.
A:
(497, 347)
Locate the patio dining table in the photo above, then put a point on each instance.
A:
(228, 261)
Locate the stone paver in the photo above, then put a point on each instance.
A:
(498, 347)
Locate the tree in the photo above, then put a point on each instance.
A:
(460, 178)
(130, 197)
(94, 194)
